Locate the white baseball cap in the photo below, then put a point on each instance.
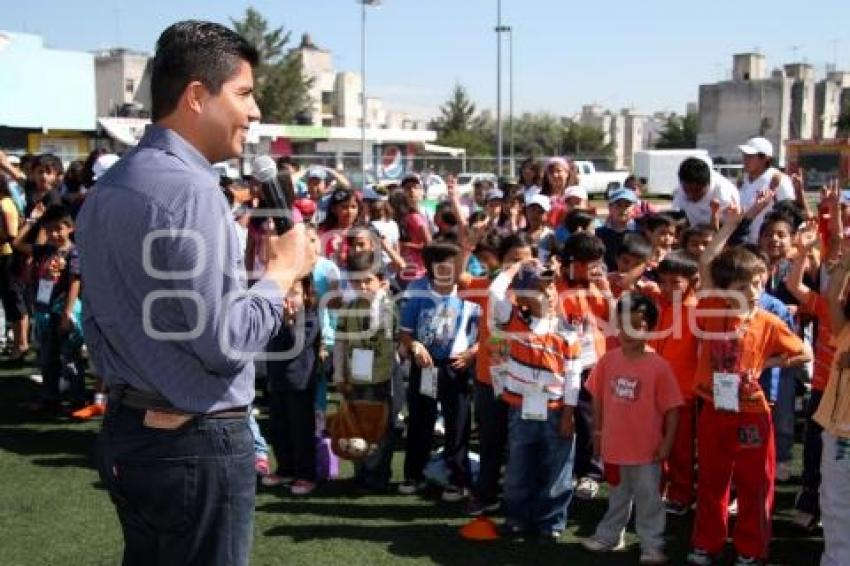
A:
(576, 191)
(754, 146)
(540, 200)
(102, 164)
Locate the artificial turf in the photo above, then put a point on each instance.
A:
(53, 511)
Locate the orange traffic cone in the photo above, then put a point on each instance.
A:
(480, 528)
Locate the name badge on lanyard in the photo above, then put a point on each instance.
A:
(428, 382)
(727, 388)
(45, 291)
(362, 362)
(534, 406)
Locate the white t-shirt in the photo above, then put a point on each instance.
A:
(389, 230)
(699, 212)
(751, 188)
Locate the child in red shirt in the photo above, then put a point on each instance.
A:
(635, 410)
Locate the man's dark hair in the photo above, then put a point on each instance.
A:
(637, 303)
(694, 170)
(634, 244)
(677, 264)
(195, 51)
(490, 243)
(582, 247)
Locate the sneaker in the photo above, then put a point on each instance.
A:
(478, 507)
(746, 561)
(676, 508)
(587, 488)
(453, 494)
(803, 520)
(261, 466)
(596, 545)
(409, 487)
(274, 480)
(302, 487)
(90, 412)
(699, 557)
(783, 471)
(653, 557)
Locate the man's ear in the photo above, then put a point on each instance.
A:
(385, 284)
(195, 96)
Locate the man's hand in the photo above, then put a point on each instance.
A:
(66, 322)
(764, 199)
(463, 360)
(291, 256)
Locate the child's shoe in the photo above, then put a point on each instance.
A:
(746, 561)
(90, 412)
(302, 487)
(274, 480)
(409, 487)
(453, 494)
(595, 545)
(676, 508)
(587, 488)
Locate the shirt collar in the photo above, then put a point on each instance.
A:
(171, 142)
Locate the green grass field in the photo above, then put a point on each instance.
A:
(52, 511)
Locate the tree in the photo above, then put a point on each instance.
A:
(457, 113)
(280, 87)
(680, 132)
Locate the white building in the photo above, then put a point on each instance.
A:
(122, 82)
(336, 96)
(788, 104)
(627, 130)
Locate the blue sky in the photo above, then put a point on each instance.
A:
(646, 54)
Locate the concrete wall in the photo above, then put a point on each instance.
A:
(348, 109)
(115, 73)
(53, 89)
(733, 111)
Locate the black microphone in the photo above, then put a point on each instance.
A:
(265, 171)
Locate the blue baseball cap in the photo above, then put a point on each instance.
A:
(622, 193)
(529, 278)
(317, 173)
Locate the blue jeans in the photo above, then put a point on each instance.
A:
(538, 480)
(184, 496)
(780, 387)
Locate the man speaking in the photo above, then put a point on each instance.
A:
(169, 322)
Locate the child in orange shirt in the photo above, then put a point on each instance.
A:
(635, 410)
(585, 302)
(735, 434)
(674, 341)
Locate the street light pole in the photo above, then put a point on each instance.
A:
(498, 87)
(363, 4)
(511, 97)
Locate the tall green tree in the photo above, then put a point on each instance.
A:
(457, 113)
(281, 89)
(680, 132)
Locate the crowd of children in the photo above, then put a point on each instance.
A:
(659, 353)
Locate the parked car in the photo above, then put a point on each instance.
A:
(596, 181)
(465, 181)
(658, 169)
(435, 187)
